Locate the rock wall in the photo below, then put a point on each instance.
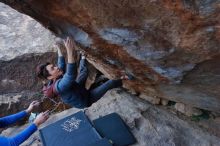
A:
(20, 34)
(24, 44)
(162, 43)
(172, 49)
(150, 125)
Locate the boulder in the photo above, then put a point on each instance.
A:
(174, 43)
(149, 124)
(187, 110)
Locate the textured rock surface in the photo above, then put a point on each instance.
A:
(20, 34)
(158, 42)
(18, 74)
(187, 110)
(150, 125)
(175, 43)
(153, 100)
(24, 43)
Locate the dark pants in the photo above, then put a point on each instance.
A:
(98, 92)
(83, 73)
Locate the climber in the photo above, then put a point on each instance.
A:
(62, 80)
(25, 134)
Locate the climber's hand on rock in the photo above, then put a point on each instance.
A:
(59, 46)
(71, 50)
(70, 44)
(41, 118)
(33, 105)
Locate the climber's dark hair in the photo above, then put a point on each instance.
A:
(42, 71)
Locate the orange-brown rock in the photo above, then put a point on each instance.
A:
(171, 47)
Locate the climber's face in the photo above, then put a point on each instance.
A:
(54, 72)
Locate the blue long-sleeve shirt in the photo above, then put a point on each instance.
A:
(20, 137)
(69, 90)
